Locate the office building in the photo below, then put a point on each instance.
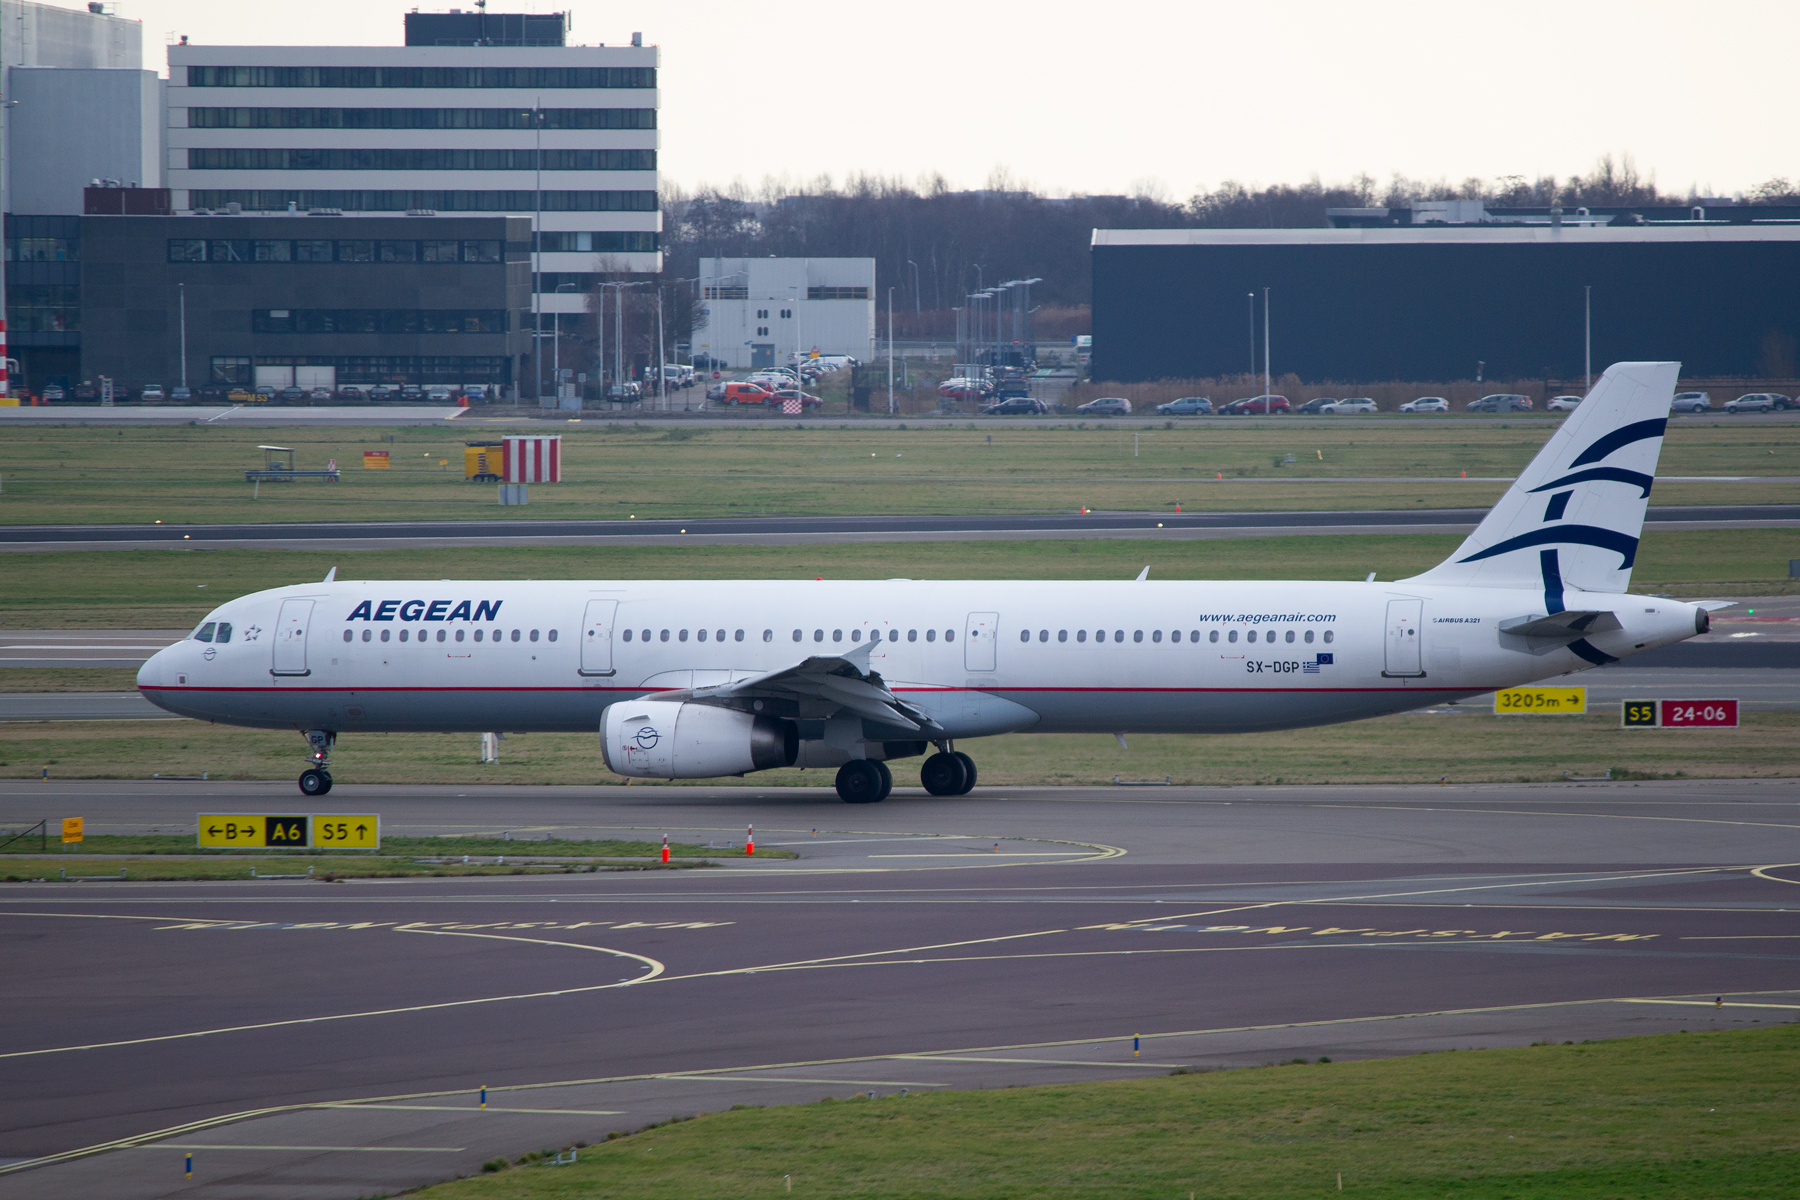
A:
(1444, 301)
(450, 123)
(308, 301)
(759, 312)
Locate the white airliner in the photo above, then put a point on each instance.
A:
(694, 680)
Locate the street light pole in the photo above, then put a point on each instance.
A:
(556, 344)
(915, 267)
(890, 352)
(181, 291)
(1267, 386)
(1252, 296)
(1587, 305)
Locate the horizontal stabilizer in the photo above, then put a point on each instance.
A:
(1564, 626)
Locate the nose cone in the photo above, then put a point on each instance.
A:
(152, 675)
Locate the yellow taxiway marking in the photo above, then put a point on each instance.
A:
(1710, 1004)
(703, 1076)
(474, 1111)
(1739, 937)
(1762, 873)
(328, 1149)
(1035, 1062)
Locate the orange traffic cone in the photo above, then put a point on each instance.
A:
(1178, 508)
(665, 847)
(1220, 475)
(750, 839)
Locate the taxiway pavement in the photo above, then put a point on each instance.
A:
(329, 1039)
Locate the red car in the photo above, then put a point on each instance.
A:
(1256, 404)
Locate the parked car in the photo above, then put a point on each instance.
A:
(1759, 402)
(182, 394)
(438, 395)
(1277, 405)
(411, 391)
(1187, 406)
(290, 394)
(1351, 404)
(265, 392)
(743, 393)
(151, 391)
(1691, 402)
(965, 389)
(1316, 405)
(475, 393)
(1562, 404)
(85, 391)
(352, 392)
(716, 392)
(52, 394)
(1106, 406)
(1426, 404)
(381, 393)
(807, 399)
(1014, 406)
(1501, 402)
(319, 395)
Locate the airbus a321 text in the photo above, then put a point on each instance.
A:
(693, 680)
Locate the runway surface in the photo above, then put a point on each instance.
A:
(311, 1039)
(796, 530)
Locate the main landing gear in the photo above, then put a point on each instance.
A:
(316, 779)
(948, 773)
(864, 781)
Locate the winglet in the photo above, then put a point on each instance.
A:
(331, 575)
(1143, 574)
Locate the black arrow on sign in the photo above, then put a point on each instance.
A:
(212, 830)
(362, 831)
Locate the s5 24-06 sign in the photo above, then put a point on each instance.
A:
(1679, 714)
(262, 831)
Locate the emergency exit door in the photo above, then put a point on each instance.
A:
(1403, 627)
(596, 637)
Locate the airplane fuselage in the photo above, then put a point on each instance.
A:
(979, 657)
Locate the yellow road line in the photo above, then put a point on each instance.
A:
(1710, 1004)
(474, 1111)
(1036, 1062)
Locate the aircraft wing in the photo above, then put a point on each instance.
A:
(837, 680)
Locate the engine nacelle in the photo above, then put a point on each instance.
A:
(672, 739)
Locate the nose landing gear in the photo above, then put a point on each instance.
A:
(316, 779)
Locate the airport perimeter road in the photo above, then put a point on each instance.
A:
(781, 531)
(314, 1039)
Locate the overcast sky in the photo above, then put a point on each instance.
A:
(1160, 95)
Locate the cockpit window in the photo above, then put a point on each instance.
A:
(205, 632)
(224, 632)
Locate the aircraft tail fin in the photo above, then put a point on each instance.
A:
(1573, 517)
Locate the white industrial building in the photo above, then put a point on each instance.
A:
(79, 105)
(448, 123)
(763, 311)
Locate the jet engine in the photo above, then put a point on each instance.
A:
(669, 739)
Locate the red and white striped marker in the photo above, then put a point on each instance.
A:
(665, 847)
(749, 839)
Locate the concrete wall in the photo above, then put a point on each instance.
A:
(777, 285)
(70, 126)
(50, 35)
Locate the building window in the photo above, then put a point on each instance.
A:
(187, 249)
(375, 320)
(357, 250)
(231, 370)
(420, 118)
(43, 249)
(312, 250)
(441, 201)
(837, 293)
(234, 158)
(423, 77)
(273, 250)
(598, 242)
(44, 307)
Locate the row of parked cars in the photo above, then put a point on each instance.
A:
(1499, 402)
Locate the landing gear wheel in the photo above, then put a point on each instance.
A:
(314, 782)
(968, 773)
(887, 779)
(942, 774)
(859, 782)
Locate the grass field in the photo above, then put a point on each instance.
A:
(1468, 746)
(162, 589)
(1680, 1116)
(158, 857)
(183, 474)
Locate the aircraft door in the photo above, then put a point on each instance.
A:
(290, 638)
(1403, 628)
(980, 641)
(596, 637)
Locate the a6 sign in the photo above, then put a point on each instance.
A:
(1679, 714)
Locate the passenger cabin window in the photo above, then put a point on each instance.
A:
(912, 635)
(459, 634)
(1156, 635)
(369, 635)
(628, 635)
(1309, 637)
(796, 635)
(949, 635)
(534, 635)
(1250, 636)
(1081, 635)
(553, 635)
(1290, 636)
(682, 636)
(837, 635)
(931, 635)
(702, 635)
(1137, 635)
(348, 634)
(1232, 636)
(1118, 635)
(1328, 637)
(386, 634)
(1024, 635)
(855, 635)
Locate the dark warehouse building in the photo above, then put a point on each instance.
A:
(1429, 302)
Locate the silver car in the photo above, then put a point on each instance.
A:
(1426, 404)
(1759, 402)
(1106, 406)
(1350, 404)
(1691, 402)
